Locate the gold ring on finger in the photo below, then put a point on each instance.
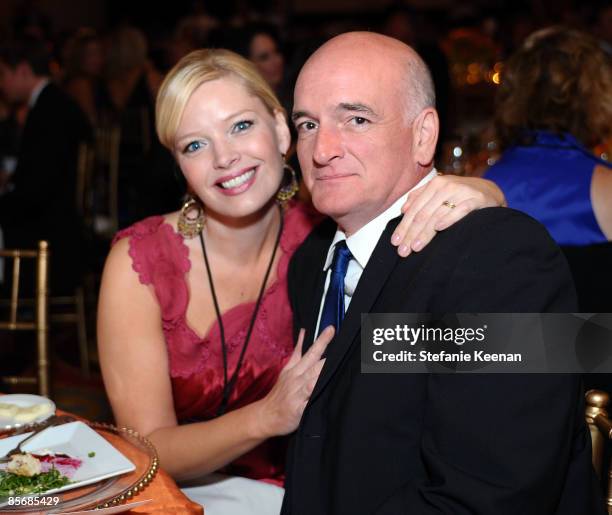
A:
(448, 203)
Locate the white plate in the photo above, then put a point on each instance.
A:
(77, 440)
(24, 400)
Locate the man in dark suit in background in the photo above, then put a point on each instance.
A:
(417, 443)
(42, 201)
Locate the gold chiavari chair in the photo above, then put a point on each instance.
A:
(97, 205)
(84, 186)
(600, 427)
(70, 309)
(38, 324)
(145, 122)
(106, 175)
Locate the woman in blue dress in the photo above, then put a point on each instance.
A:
(554, 104)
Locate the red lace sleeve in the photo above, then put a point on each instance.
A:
(300, 218)
(160, 258)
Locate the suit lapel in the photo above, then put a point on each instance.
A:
(35, 116)
(311, 318)
(315, 282)
(374, 277)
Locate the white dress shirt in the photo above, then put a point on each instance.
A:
(362, 245)
(36, 92)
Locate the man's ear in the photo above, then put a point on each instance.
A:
(425, 130)
(282, 132)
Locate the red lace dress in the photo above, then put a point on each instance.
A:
(160, 258)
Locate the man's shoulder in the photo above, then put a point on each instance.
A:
(307, 260)
(50, 96)
(499, 215)
(53, 97)
(489, 239)
(499, 224)
(319, 238)
(494, 260)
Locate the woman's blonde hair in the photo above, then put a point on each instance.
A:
(192, 71)
(560, 80)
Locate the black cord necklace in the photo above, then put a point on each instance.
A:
(228, 385)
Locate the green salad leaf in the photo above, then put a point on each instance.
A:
(12, 484)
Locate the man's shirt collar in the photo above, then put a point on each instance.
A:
(362, 243)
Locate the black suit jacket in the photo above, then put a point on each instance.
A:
(43, 203)
(441, 444)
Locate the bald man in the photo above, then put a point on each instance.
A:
(416, 443)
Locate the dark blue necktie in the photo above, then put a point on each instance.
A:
(333, 307)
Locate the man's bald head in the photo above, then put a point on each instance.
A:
(381, 55)
(367, 126)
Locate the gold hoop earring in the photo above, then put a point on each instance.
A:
(189, 226)
(287, 192)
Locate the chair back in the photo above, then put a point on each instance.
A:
(84, 186)
(590, 267)
(104, 180)
(38, 323)
(600, 428)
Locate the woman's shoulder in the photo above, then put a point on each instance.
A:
(144, 228)
(601, 192)
(300, 218)
(153, 245)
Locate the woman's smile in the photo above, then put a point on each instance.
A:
(237, 183)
